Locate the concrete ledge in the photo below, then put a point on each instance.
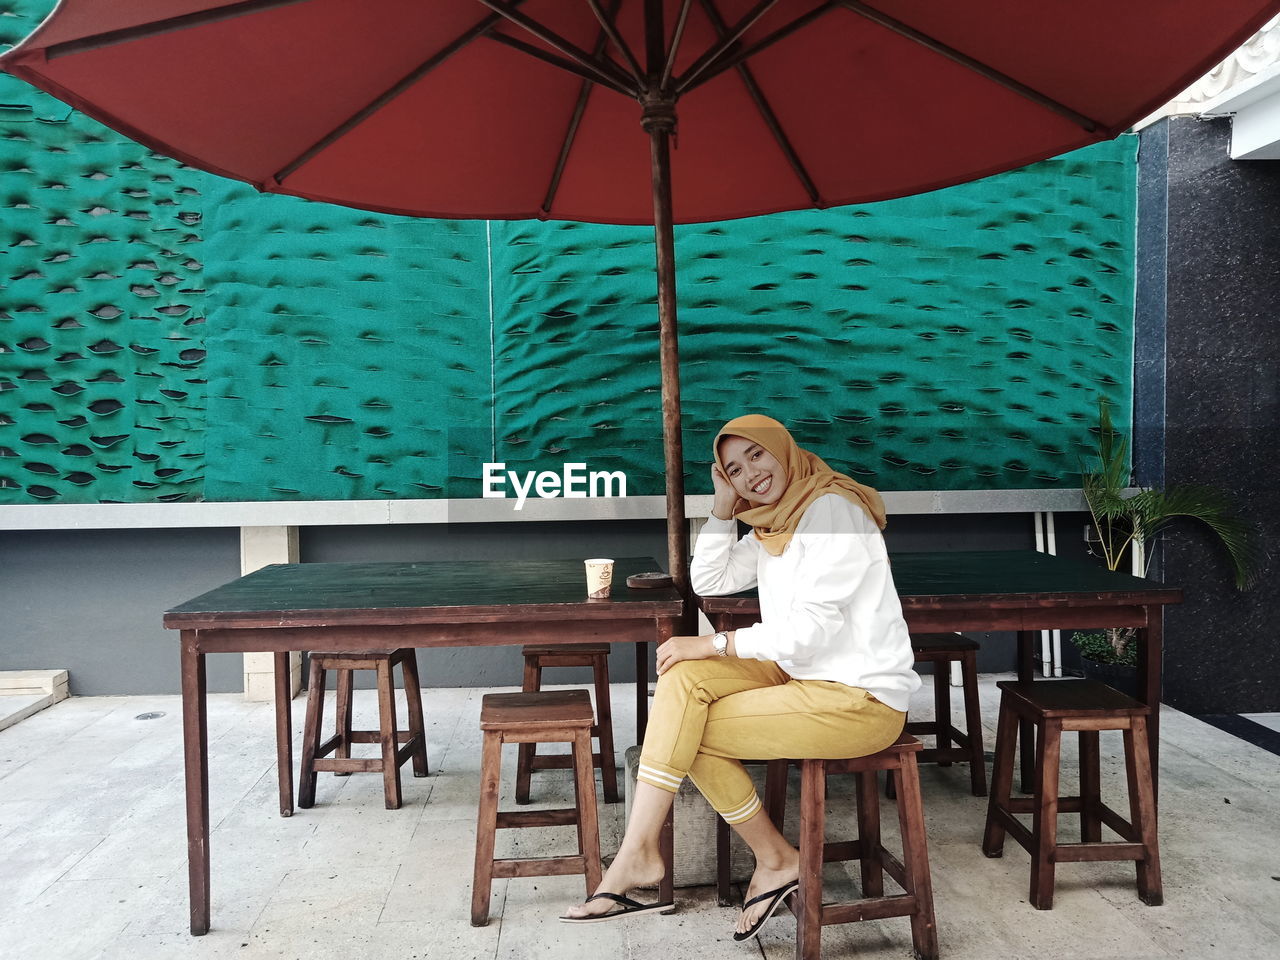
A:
(24, 692)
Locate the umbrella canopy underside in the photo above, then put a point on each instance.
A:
(451, 108)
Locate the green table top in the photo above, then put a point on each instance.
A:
(438, 584)
(1001, 574)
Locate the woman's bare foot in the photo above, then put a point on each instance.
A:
(766, 878)
(629, 869)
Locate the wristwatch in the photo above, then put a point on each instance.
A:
(721, 644)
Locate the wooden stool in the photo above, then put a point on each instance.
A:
(550, 716)
(911, 873)
(595, 656)
(941, 650)
(1086, 706)
(397, 747)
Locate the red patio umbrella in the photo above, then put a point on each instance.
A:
(528, 108)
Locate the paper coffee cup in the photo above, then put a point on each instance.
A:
(599, 577)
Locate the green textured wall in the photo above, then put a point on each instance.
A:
(166, 335)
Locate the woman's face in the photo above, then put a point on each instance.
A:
(754, 472)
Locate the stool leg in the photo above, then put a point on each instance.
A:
(942, 706)
(915, 857)
(486, 827)
(1001, 780)
(667, 848)
(1044, 819)
(1090, 787)
(775, 791)
(584, 789)
(526, 751)
(723, 856)
(868, 797)
(604, 730)
(1142, 810)
(311, 735)
(813, 804)
(417, 721)
(387, 735)
(342, 719)
(973, 723)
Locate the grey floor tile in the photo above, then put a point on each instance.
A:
(92, 842)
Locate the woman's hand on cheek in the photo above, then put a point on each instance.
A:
(726, 498)
(684, 648)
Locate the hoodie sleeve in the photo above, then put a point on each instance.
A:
(722, 564)
(837, 555)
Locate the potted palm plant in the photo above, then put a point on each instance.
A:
(1124, 521)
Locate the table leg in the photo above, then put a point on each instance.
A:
(1026, 729)
(1151, 685)
(284, 733)
(195, 746)
(642, 690)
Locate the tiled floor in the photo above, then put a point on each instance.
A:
(92, 855)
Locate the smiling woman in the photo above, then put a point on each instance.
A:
(827, 673)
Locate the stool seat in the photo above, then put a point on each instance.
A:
(582, 649)
(556, 708)
(930, 642)
(548, 716)
(1069, 698)
(1086, 707)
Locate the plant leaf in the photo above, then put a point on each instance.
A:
(1154, 510)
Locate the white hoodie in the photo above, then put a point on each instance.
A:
(828, 607)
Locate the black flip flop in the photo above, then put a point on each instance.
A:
(775, 898)
(627, 908)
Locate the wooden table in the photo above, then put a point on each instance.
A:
(1019, 590)
(383, 606)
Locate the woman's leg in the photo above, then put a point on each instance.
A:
(777, 862)
(803, 718)
(681, 703)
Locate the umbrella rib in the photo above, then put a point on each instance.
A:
(711, 56)
(766, 112)
(579, 108)
(977, 66)
(726, 60)
(675, 45)
(166, 25)
(611, 29)
(608, 72)
(570, 66)
(439, 57)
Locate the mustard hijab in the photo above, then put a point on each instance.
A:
(808, 478)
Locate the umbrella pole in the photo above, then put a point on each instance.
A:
(659, 122)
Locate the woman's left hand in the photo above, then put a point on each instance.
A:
(676, 649)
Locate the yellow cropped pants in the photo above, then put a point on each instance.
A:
(708, 715)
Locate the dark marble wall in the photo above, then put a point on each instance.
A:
(1221, 376)
(1150, 305)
